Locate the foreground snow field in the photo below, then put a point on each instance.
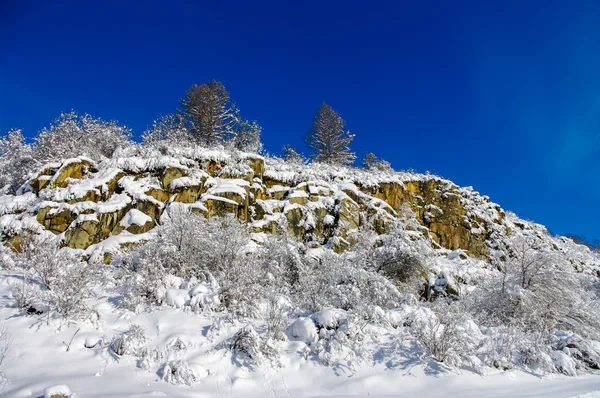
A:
(38, 359)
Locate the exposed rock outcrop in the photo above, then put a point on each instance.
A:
(89, 203)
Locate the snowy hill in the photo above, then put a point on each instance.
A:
(209, 272)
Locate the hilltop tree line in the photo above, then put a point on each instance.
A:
(207, 116)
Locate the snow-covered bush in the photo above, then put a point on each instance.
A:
(303, 329)
(25, 292)
(536, 290)
(247, 341)
(5, 342)
(345, 344)
(446, 333)
(16, 161)
(68, 283)
(333, 281)
(72, 135)
(129, 342)
(167, 132)
(180, 372)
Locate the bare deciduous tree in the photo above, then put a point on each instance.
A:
(329, 138)
(216, 120)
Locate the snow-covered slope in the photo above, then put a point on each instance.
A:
(335, 281)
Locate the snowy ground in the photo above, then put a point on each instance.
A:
(38, 360)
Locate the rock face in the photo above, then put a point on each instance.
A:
(89, 204)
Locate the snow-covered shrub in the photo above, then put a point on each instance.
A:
(291, 155)
(25, 292)
(129, 342)
(69, 283)
(166, 133)
(374, 163)
(252, 348)
(205, 296)
(16, 161)
(6, 341)
(247, 341)
(180, 372)
(72, 135)
(447, 333)
(344, 345)
(336, 282)
(401, 256)
(584, 351)
(303, 329)
(275, 315)
(536, 290)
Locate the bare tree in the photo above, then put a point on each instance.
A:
(210, 112)
(372, 162)
(73, 135)
(16, 158)
(216, 120)
(329, 138)
(291, 154)
(167, 131)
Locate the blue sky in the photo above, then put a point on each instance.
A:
(503, 96)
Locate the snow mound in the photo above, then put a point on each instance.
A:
(58, 391)
(303, 329)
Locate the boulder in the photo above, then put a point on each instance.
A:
(70, 169)
(170, 174)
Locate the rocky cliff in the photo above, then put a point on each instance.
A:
(101, 207)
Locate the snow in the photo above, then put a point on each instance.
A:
(297, 193)
(85, 218)
(187, 338)
(329, 318)
(11, 204)
(135, 217)
(221, 186)
(303, 329)
(113, 244)
(177, 298)
(58, 390)
(79, 188)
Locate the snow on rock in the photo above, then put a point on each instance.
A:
(303, 329)
(58, 391)
(220, 186)
(134, 217)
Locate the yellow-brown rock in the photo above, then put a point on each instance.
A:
(159, 194)
(218, 206)
(258, 166)
(82, 234)
(170, 174)
(74, 169)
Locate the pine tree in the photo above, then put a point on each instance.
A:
(329, 139)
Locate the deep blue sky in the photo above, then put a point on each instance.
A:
(503, 96)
